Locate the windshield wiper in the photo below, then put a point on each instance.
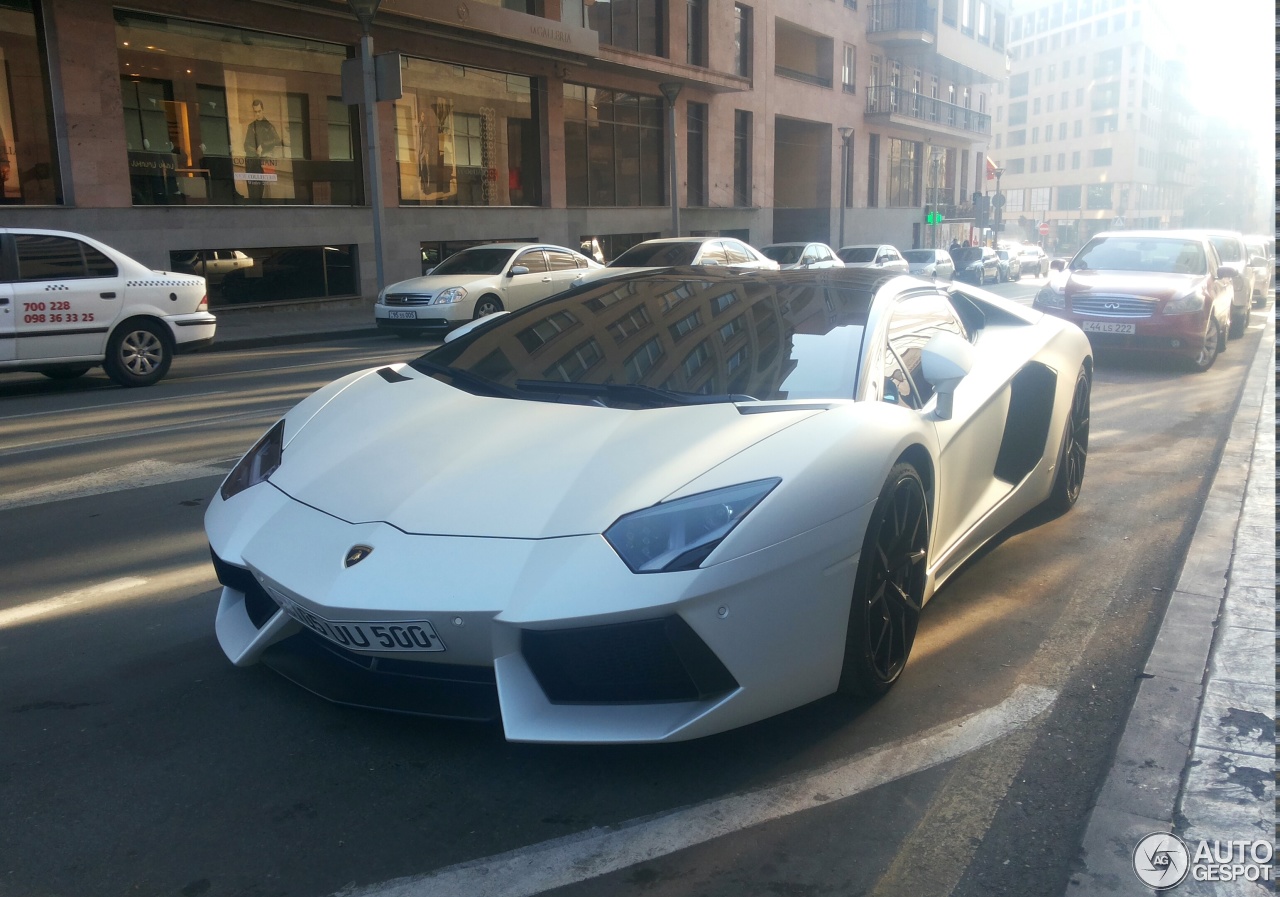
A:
(478, 384)
(637, 393)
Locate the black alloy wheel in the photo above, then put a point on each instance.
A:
(1074, 451)
(888, 590)
(1209, 347)
(1239, 321)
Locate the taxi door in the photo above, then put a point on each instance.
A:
(8, 334)
(66, 295)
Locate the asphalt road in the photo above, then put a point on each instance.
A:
(136, 760)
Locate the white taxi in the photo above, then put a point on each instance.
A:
(69, 303)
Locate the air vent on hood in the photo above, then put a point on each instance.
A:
(391, 375)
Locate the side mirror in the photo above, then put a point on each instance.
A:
(946, 359)
(1058, 265)
(472, 325)
(1225, 271)
(1257, 261)
(517, 269)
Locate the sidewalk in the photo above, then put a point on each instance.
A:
(292, 322)
(1197, 757)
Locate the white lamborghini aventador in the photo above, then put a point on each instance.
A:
(651, 508)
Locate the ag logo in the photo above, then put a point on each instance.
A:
(356, 554)
(1161, 860)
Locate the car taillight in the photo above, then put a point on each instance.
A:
(204, 303)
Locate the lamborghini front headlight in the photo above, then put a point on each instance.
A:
(259, 462)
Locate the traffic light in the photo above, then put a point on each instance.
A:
(931, 216)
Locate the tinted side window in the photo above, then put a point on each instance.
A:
(914, 323)
(713, 254)
(98, 264)
(736, 253)
(46, 257)
(562, 261)
(534, 261)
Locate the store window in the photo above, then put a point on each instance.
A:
(466, 137)
(28, 167)
(613, 147)
(275, 274)
(222, 116)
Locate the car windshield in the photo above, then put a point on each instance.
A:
(784, 255)
(657, 255)
(919, 255)
(858, 254)
(740, 339)
(1156, 254)
(480, 260)
(1228, 248)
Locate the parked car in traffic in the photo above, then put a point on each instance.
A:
(935, 263)
(1010, 265)
(1232, 252)
(802, 255)
(976, 264)
(873, 255)
(1146, 291)
(69, 303)
(1034, 260)
(477, 282)
(1261, 252)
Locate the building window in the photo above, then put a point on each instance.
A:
(741, 158)
(466, 137)
(742, 37)
(28, 160)
(1062, 161)
(847, 71)
(628, 26)
(1069, 198)
(696, 155)
(275, 274)
(1099, 196)
(1016, 166)
(1075, 159)
(254, 128)
(905, 160)
(873, 171)
(1018, 113)
(697, 32)
(613, 147)
(1018, 138)
(1100, 157)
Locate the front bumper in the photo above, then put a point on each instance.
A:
(555, 636)
(1163, 334)
(425, 317)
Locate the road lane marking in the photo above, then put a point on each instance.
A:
(590, 854)
(126, 588)
(113, 479)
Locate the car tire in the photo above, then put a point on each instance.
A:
(1074, 450)
(1239, 321)
(70, 373)
(1209, 347)
(487, 305)
(888, 589)
(139, 353)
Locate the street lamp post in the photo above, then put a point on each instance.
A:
(671, 90)
(365, 11)
(845, 134)
(998, 202)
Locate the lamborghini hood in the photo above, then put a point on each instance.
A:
(428, 458)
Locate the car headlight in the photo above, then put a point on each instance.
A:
(1048, 297)
(259, 462)
(678, 535)
(1192, 302)
(453, 294)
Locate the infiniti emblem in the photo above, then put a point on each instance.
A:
(1111, 305)
(357, 554)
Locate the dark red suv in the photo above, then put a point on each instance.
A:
(1146, 291)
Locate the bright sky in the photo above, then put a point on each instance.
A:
(1229, 48)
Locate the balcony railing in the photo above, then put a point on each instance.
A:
(905, 15)
(897, 101)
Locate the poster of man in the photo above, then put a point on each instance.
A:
(258, 106)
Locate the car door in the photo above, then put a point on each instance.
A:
(8, 307)
(528, 287)
(969, 441)
(66, 295)
(564, 268)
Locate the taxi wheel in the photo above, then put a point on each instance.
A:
(488, 305)
(138, 354)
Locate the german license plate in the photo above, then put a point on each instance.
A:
(403, 315)
(400, 635)
(1107, 327)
